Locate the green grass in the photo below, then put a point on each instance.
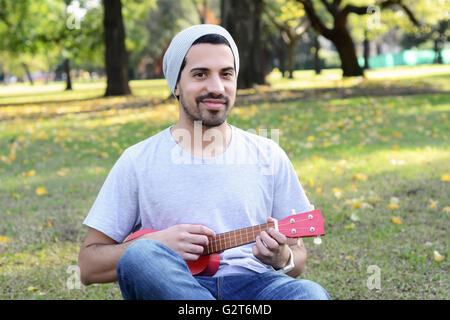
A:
(354, 157)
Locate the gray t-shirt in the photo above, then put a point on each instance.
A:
(156, 184)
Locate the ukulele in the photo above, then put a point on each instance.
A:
(306, 224)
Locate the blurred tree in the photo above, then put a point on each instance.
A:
(338, 32)
(47, 31)
(291, 22)
(430, 14)
(242, 18)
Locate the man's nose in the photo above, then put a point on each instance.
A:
(215, 84)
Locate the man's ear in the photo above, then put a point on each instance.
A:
(176, 91)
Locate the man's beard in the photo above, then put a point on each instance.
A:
(209, 118)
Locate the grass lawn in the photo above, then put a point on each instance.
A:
(377, 166)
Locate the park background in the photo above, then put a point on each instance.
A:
(358, 89)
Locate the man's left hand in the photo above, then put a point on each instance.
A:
(271, 248)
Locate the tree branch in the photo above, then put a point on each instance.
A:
(316, 23)
(362, 10)
(330, 7)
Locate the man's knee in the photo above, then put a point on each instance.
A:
(312, 291)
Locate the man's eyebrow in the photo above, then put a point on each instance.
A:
(207, 69)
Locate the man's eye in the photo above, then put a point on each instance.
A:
(199, 75)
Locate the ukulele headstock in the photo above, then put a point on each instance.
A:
(306, 224)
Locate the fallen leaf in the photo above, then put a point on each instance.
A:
(393, 206)
(359, 177)
(5, 239)
(355, 217)
(31, 288)
(446, 177)
(62, 172)
(446, 209)
(350, 226)
(30, 173)
(337, 193)
(396, 220)
(394, 200)
(432, 204)
(41, 191)
(437, 256)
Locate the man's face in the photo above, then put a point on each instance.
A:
(207, 86)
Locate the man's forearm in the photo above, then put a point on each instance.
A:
(98, 262)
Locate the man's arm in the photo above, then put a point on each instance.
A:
(99, 254)
(98, 257)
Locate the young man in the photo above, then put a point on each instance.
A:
(193, 180)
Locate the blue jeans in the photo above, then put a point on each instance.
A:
(149, 270)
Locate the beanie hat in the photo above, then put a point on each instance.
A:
(182, 42)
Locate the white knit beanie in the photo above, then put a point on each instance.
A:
(182, 42)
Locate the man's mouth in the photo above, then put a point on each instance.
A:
(214, 104)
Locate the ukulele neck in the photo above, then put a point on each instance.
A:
(227, 240)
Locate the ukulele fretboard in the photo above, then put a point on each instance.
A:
(227, 240)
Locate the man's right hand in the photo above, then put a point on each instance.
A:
(188, 240)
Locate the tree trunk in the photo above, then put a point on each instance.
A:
(242, 18)
(366, 44)
(27, 71)
(291, 48)
(116, 60)
(438, 45)
(281, 52)
(347, 53)
(317, 68)
(67, 72)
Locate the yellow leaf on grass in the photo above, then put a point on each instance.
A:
(356, 205)
(446, 209)
(395, 147)
(41, 191)
(350, 226)
(432, 204)
(5, 239)
(359, 177)
(319, 190)
(396, 220)
(30, 173)
(62, 172)
(437, 256)
(311, 138)
(446, 177)
(337, 193)
(393, 206)
(31, 288)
